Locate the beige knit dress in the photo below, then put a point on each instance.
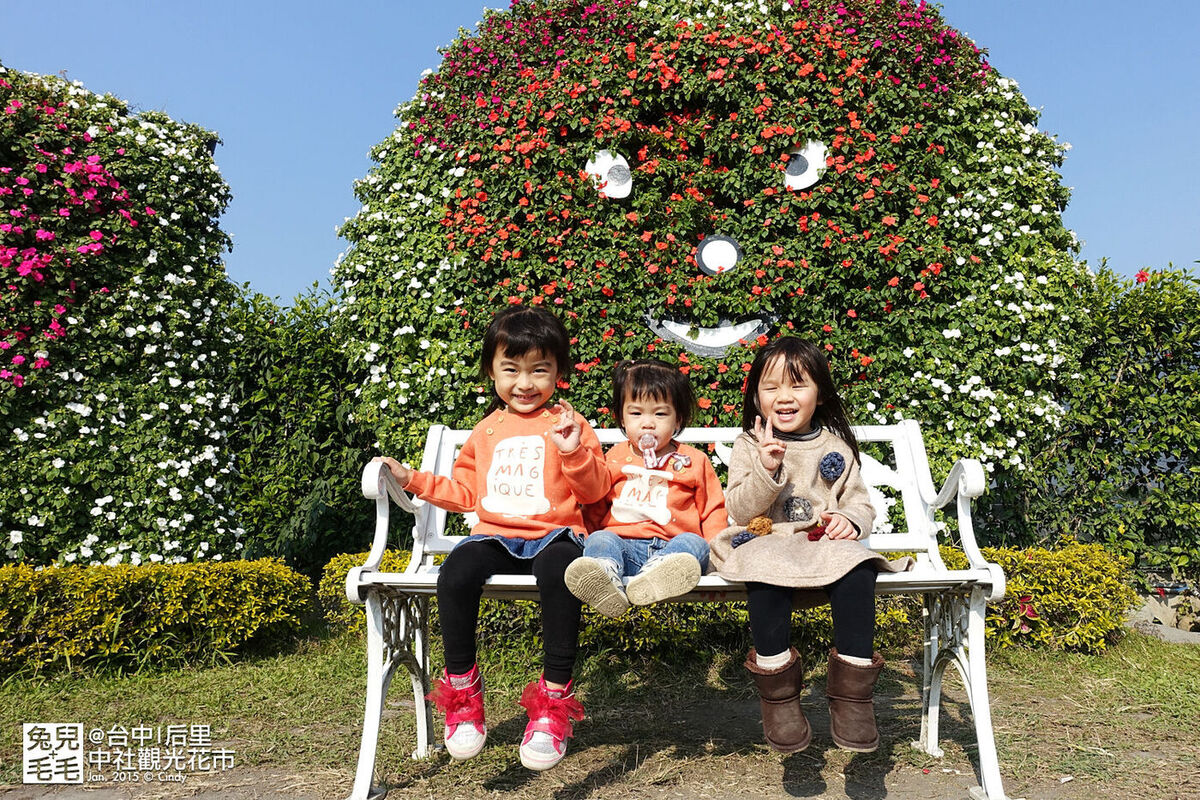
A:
(817, 475)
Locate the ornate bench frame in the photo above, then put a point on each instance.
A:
(397, 603)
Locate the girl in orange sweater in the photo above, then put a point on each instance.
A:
(664, 504)
(526, 470)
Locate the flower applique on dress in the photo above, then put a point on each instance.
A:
(759, 526)
(797, 509)
(832, 466)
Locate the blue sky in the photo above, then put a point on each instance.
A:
(300, 92)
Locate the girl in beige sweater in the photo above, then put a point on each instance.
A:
(797, 465)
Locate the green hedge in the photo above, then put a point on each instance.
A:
(127, 617)
(1073, 598)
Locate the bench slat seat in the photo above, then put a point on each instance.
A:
(901, 486)
(712, 588)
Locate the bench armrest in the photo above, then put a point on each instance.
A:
(966, 481)
(378, 484)
(376, 481)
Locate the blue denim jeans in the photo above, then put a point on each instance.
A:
(630, 555)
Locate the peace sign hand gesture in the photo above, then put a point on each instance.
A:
(770, 449)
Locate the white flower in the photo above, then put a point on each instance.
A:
(952, 333)
(16, 537)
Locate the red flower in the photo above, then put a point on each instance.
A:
(1142, 276)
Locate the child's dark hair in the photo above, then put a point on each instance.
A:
(652, 379)
(518, 330)
(800, 357)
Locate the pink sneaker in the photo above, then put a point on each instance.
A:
(460, 698)
(551, 712)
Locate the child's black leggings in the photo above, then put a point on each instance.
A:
(851, 598)
(460, 586)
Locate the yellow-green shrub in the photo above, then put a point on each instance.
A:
(331, 590)
(1072, 597)
(129, 616)
(663, 629)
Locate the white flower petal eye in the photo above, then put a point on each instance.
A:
(612, 170)
(805, 165)
(716, 254)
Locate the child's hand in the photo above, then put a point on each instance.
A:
(770, 449)
(567, 433)
(400, 472)
(838, 527)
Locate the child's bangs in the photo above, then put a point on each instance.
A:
(795, 366)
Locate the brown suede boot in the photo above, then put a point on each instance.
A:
(850, 689)
(784, 723)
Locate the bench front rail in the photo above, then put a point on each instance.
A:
(902, 490)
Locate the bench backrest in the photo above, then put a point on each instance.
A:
(899, 483)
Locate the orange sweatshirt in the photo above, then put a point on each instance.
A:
(662, 503)
(511, 475)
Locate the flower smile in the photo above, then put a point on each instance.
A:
(709, 341)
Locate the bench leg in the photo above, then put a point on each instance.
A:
(396, 634)
(954, 634)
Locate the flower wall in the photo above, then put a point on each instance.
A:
(687, 179)
(112, 332)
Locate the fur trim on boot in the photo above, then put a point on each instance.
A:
(850, 690)
(784, 724)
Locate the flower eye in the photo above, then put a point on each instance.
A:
(612, 171)
(805, 165)
(716, 254)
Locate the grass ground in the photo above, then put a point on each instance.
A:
(1123, 724)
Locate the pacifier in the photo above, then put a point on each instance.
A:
(648, 443)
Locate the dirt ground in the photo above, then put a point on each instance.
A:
(700, 751)
(1061, 736)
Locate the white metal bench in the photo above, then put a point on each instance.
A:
(397, 603)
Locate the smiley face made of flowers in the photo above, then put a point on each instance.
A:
(685, 179)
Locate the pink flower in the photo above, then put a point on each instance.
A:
(96, 235)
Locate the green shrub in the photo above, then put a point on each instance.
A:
(127, 617)
(299, 453)
(1073, 598)
(1124, 468)
(331, 590)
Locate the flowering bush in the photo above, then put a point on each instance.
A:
(112, 333)
(687, 179)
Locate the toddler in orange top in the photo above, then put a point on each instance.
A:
(664, 504)
(526, 471)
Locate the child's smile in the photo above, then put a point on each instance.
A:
(526, 382)
(787, 401)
